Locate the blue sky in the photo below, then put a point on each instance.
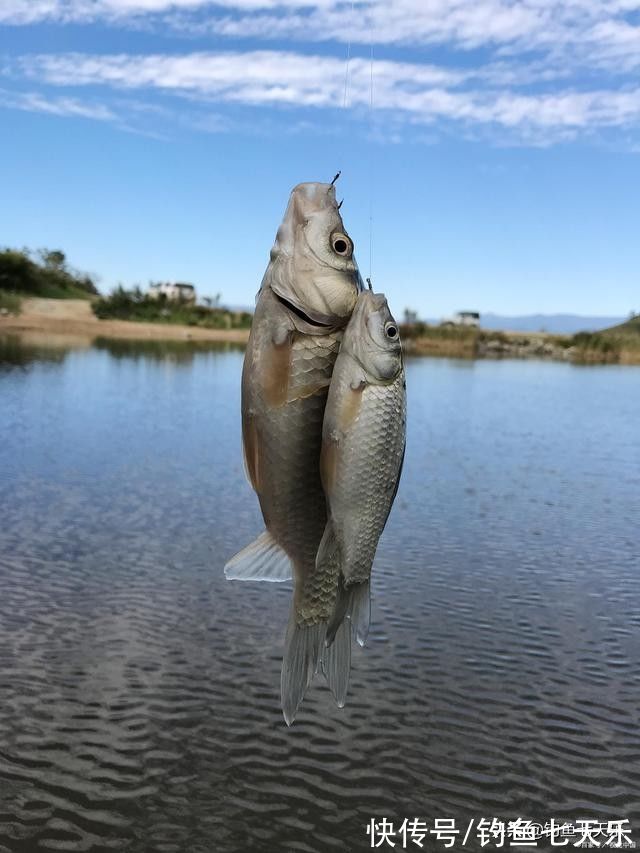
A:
(500, 165)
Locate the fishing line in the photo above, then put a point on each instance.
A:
(371, 153)
(346, 71)
(341, 147)
(345, 104)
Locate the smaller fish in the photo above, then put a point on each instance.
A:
(363, 443)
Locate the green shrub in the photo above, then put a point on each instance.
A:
(47, 275)
(593, 347)
(133, 304)
(10, 302)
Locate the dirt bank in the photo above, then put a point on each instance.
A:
(74, 317)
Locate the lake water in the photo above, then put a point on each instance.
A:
(139, 691)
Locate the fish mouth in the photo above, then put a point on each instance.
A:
(290, 306)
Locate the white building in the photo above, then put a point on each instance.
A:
(177, 291)
(467, 318)
(463, 318)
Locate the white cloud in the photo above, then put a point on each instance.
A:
(550, 69)
(596, 33)
(63, 11)
(25, 12)
(413, 92)
(583, 34)
(252, 77)
(59, 106)
(418, 22)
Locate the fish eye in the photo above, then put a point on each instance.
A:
(391, 331)
(341, 244)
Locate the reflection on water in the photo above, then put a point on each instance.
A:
(14, 352)
(179, 352)
(140, 691)
(20, 350)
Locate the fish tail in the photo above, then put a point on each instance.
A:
(361, 611)
(341, 611)
(262, 560)
(302, 653)
(336, 663)
(353, 603)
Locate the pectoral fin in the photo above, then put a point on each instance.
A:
(251, 452)
(350, 407)
(328, 465)
(275, 372)
(262, 560)
(336, 426)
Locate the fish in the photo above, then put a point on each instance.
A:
(306, 298)
(363, 447)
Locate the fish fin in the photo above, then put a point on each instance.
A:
(351, 404)
(275, 371)
(397, 482)
(328, 547)
(336, 663)
(353, 603)
(302, 653)
(328, 466)
(341, 611)
(251, 452)
(328, 553)
(262, 560)
(361, 611)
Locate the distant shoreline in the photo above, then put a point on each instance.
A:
(72, 322)
(73, 318)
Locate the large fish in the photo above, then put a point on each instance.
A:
(363, 444)
(307, 295)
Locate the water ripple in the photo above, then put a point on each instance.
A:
(140, 691)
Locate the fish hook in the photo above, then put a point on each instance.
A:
(336, 176)
(370, 285)
(340, 205)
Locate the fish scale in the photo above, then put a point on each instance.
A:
(372, 453)
(292, 437)
(313, 359)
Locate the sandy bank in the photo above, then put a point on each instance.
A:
(74, 318)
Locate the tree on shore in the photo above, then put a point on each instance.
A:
(44, 273)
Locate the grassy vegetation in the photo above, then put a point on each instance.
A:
(618, 345)
(10, 302)
(124, 304)
(596, 348)
(453, 341)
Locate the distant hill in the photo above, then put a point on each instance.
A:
(628, 332)
(561, 324)
(619, 344)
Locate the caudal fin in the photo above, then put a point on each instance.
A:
(361, 611)
(336, 663)
(302, 652)
(352, 603)
(262, 560)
